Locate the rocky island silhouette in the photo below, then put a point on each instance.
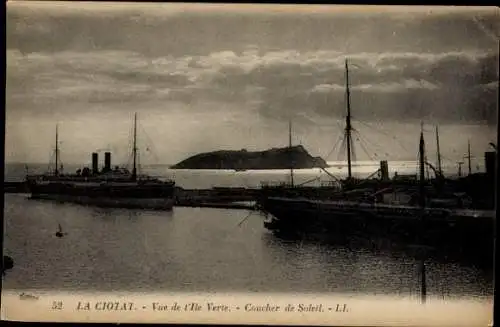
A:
(295, 157)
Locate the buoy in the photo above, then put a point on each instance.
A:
(59, 233)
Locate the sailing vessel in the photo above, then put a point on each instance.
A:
(457, 228)
(441, 190)
(331, 189)
(336, 189)
(109, 187)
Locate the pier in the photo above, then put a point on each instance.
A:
(15, 187)
(228, 205)
(217, 197)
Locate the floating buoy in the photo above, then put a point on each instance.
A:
(60, 233)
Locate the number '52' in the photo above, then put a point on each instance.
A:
(57, 305)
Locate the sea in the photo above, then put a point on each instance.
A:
(209, 250)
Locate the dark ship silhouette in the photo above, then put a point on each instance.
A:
(451, 226)
(116, 187)
(422, 211)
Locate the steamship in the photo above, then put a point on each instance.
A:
(109, 187)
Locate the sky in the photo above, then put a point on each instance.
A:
(209, 77)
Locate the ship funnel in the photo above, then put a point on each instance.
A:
(490, 162)
(384, 170)
(107, 161)
(95, 165)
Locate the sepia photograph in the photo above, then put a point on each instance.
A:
(251, 163)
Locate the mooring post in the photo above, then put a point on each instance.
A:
(423, 283)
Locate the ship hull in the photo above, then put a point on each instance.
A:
(451, 230)
(109, 202)
(136, 195)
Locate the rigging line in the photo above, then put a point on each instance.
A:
(340, 124)
(379, 149)
(392, 137)
(339, 138)
(362, 145)
(374, 145)
(330, 174)
(353, 153)
(386, 134)
(149, 143)
(130, 149)
(152, 150)
(342, 150)
(417, 165)
(360, 140)
(51, 155)
(446, 158)
(309, 181)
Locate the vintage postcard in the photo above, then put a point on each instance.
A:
(250, 164)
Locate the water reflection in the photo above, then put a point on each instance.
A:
(363, 270)
(203, 250)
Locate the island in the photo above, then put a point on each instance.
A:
(295, 157)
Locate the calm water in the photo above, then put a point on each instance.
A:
(193, 249)
(201, 178)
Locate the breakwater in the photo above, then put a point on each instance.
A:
(216, 197)
(15, 187)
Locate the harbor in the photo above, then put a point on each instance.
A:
(313, 163)
(175, 251)
(445, 214)
(229, 194)
(448, 215)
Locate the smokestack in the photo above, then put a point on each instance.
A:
(95, 165)
(107, 161)
(490, 158)
(384, 170)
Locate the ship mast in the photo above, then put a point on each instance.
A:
(468, 156)
(423, 282)
(56, 171)
(134, 150)
(422, 166)
(348, 127)
(290, 150)
(460, 163)
(438, 153)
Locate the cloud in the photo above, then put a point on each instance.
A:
(276, 83)
(159, 29)
(205, 79)
(397, 85)
(95, 77)
(404, 86)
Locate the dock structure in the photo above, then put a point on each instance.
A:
(228, 205)
(217, 197)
